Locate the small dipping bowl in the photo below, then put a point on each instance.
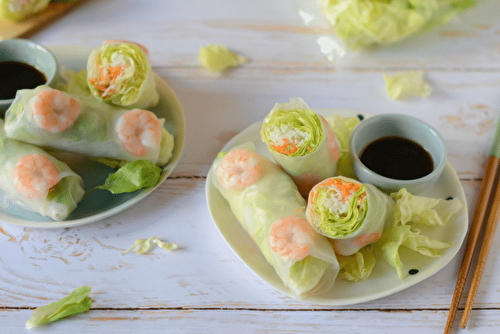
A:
(29, 53)
(396, 125)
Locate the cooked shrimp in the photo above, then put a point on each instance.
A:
(54, 110)
(139, 131)
(34, 175)
(239, 169)
(291, 237)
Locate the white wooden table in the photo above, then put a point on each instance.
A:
(203, 286)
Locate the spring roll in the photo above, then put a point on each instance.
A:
(352, 214)
(52, 118)
(18, 10)
(36, 180)
(301, 142)
(266, 202)
(119, 73)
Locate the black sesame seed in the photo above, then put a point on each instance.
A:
(361, 117)
(449, 198)
(413, 271)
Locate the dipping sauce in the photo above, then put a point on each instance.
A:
(397, 158)
(16, 75)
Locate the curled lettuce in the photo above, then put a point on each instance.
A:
(365, 23)
(120, 73)
(143, 246)
(406, 84)
(18, 10)
(358, 266)
(76, 302)
(217, 58)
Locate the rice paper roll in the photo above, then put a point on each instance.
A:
(352, 214)
(301, 142)
(52, 118)
(120, 73)
(266, 202)
(37, 181)
(18, 10)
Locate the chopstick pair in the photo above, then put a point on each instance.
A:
(489, 198)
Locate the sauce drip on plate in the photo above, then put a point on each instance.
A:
(397, 158)
(16, 75)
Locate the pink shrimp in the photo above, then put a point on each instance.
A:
(239, 169)
(54, 110)
(291, 237)
(139, 131)
(331, 139)
(34, 175)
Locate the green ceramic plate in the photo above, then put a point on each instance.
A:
(100, 204)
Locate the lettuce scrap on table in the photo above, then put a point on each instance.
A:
(217, 58)
(77, 301)
(406, 84)
(146, 245)
(366, 23)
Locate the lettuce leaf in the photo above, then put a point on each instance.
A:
(406, 84)
(358, 266)
(18, 10)
(217, 58)
(78, 301)
(146, 245)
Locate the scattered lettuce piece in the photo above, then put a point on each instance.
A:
(403, 235)
(18, 10)
(133, 176)
(78, 301)
(146, 245)
(358, 266)
(74, 83)
(403, 85)
(217, 58)
(423, 210)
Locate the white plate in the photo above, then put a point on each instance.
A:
(384, 280)
(100, 204)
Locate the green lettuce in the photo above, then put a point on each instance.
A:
(146, 245)
(217, 58)
(18, 10)
(358, 266)
(78, 301)
(365, 23)
(133, 176)
(406, 84)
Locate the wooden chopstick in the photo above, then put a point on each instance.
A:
(489, 234)
(485, 194)
(472, 240)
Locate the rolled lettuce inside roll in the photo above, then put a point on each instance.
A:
(18, 10)
(81, 124)
(302, 142)
(349, 212)
(36, 180)
(120, 73)
(265, 201)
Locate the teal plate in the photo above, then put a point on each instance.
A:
(100, 204)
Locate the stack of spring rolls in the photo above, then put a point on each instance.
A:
(105, 115)
(297, 209)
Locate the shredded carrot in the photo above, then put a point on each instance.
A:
(347, 188)
(107, 78)
(286, 148)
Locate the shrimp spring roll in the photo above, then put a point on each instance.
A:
(351, 213)
(266, 202)
(301, 142)
(36, 180)
(119, 73)
(52, 118)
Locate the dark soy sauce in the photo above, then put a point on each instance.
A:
(397, 158)
(16, 75)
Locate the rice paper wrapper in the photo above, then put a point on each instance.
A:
(265, 201)
(307, 165)
(94, 132)
(59, 201)
(352, 214)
